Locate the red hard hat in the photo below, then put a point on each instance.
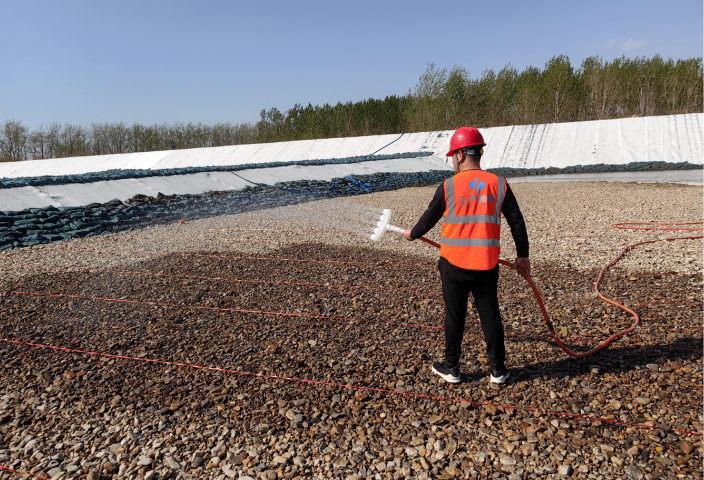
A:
(465, 137)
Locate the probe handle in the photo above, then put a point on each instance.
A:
(430, 242)
(401, 230)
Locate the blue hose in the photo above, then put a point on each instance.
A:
(361, 185)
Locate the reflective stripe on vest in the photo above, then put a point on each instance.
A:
(473, 241)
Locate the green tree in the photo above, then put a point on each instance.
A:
(561, 91)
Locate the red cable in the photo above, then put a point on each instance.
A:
(223, 279)
(546, 317)
(333, 285)
(582, 299)
(576, 340)
(229, 257)
(330, 384)
(626, 226)
(268, 230)
(297, 242)
(344, 243)
(602, 345)
(538, 297)
(284, 314)
(3, 467)
(219, 309)
(301, 260)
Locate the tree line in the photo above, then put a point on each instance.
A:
(441, 100)
(57, 140)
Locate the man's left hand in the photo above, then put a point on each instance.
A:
(407, 235)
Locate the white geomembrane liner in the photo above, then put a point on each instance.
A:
(671, 138)
(78, 194)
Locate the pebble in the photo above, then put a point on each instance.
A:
(635, 473)
(172, 464)
(55, 472)
(269, 475)
(564, 470)
(435, 419)
(686, 447)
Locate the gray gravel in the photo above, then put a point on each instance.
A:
(66, 415)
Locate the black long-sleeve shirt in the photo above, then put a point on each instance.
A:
(510, 210)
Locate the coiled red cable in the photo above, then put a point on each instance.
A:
(636, 318)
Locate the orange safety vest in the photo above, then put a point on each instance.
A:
(471, 227)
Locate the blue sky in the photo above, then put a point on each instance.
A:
(216, 61)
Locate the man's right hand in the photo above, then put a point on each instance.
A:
(407, 235)
(522, 264)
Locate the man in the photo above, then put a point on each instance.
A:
(471, 204)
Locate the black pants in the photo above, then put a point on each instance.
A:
(457, 284)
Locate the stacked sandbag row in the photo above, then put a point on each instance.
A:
(35, 226)
(142, 173)
(597, 168)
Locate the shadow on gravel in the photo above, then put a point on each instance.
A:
(613, 359)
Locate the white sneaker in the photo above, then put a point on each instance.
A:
(499, 374)
(443, 372)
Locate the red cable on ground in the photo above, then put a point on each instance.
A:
(297, 242)
(341, 385)
(301, 260)
(546, 317)
(3, 467)
(538, 297)
(223, 279)
(626, 226)
(219, 309)
(582, 299)
(229, 257)
(224, 239)
(575, 340)
(331, 285)
(266, 230)
(284, 314)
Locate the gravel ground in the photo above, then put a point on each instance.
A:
(230, 296)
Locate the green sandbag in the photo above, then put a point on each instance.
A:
(49, 226)
(79, 225)
(53, 237)
(35, 241)
(51, 219)
(28, 221)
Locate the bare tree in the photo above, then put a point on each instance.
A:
(38, 143)
(14, 138)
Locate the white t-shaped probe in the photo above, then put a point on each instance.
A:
(383, 225)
